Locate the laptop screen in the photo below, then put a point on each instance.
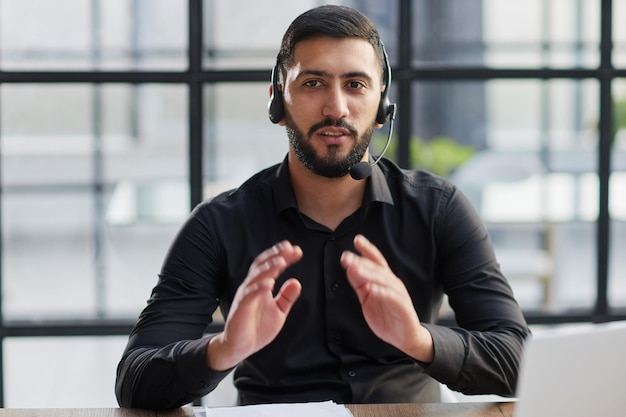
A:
(574, 371)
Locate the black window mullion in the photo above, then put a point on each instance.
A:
(604, 161)
(195, 102)
(403, 80)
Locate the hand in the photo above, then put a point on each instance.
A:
(256, 316)
(385, 301)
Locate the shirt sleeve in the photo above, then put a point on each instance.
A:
(167, 377)
(164, 364)
(482, 354)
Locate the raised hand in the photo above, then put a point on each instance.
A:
(385, 301)
(256, 316)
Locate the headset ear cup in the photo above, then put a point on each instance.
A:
(385, 108)
(276, 107)
(382, 116)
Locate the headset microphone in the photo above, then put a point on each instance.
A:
(363, 170)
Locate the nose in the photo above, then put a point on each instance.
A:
(336, 104)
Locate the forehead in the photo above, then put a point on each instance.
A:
(336, 56)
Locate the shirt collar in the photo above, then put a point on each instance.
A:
(284, 196)
(377, 188)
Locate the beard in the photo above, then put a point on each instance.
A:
(330, 165)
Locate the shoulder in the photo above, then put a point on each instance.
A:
(414, 180)
(427, 193)
(260, 184)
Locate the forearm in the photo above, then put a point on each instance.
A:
(165, 378)
(474, 362)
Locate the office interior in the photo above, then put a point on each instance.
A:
(119, 116)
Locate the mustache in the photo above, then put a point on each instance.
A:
(330, 122)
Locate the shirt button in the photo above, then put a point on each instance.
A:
(351, 374)
(338, 336)
(335, 286)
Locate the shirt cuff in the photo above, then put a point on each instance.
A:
(195, 365)
(450, 352)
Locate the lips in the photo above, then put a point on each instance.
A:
(333, 136)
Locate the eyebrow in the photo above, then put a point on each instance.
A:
(320, 73)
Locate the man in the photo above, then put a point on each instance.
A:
(330, 285)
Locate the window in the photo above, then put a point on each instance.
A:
(118, 116)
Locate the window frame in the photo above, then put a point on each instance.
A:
(196, 78)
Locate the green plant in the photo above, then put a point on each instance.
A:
(440, 155)
(619, 116)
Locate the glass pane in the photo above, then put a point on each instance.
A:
(97, 34)
(617, 263)
(264, 23)
(47, 240)
(559, 33)
(239, 137)
(145, 168)
(96, 175)
(619, 33)
(524, 153)
(617, 201)
(75, 372)
(46, 171)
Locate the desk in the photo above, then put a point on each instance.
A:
(433, 410)
(358, 410)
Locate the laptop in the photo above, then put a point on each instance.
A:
(574, 371)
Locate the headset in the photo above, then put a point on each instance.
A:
(276, 105)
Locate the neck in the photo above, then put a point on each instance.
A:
(328, 201)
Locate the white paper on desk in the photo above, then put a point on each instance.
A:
(311, 409)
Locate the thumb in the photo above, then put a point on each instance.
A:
(288, 295)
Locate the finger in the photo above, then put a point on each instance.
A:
(288, 294)
(291, 253)
(273, 261)
(369, 250)
(270, 268)
(273, 251)
(359, 264)
(363, 273)
(357, 268)
(261, 285)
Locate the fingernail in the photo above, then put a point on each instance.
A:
(348, 257)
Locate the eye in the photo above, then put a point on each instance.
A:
(356, 85)
(312, 83)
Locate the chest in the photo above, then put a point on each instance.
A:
(410, 252)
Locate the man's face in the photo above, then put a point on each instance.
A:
(331, 92)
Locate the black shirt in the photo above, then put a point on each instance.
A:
(430, 236)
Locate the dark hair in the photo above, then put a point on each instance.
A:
(333, 21)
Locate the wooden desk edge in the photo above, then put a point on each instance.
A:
(464, 409)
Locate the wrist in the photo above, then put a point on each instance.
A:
(217, 355)
(424, 349)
